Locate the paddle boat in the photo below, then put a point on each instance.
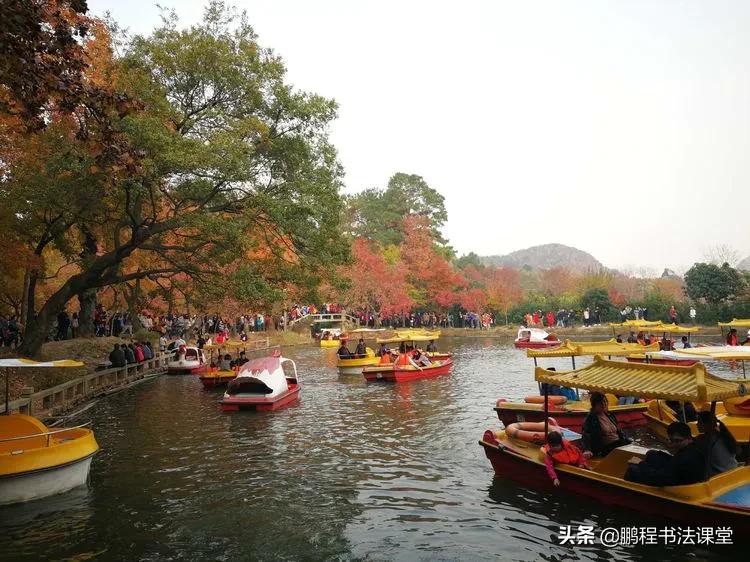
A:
(407, 338)
(214, 375)
(720, 500)
(329, 337)
(187, 360)
(410, 372)
(263, 384)
(535, 338)
(36, 461)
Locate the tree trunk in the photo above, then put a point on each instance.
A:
(133, 297)
(87, 301)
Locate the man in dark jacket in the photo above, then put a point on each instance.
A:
(686, 466)
(117, 357)
(129, 354)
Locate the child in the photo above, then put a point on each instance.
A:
(561, 450)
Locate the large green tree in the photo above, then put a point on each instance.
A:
(228, 168)
(714, 283)
(378, 214)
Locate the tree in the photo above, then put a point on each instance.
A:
(721, 254)
(713, 283)
(504, 289)
(218, 159)
(597, 297)
(379, 214)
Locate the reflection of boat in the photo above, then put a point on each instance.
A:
(719, 500)
(187, 360)
(569, 414)
(263, 384)
(535, 338)
(403, 373)
(36, 462)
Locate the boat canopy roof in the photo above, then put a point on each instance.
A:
(19, 363)
(579, 348)
(668, 382)
(636, 323)
(409, 334)
(656, 326)
(736, 323)
(719, 352)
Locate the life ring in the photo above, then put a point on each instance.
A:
(553, 399)
(532, 432)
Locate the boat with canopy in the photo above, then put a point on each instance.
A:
(354, 364)
(329, 337)
(721, 499)
(35, 460)
(215, 375)
(407, 339)
(570, 410)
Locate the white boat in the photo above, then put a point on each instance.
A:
(187, 360)
(263, 384)
(535, 338)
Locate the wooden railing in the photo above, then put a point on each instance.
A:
(334, 317)
(62, 397)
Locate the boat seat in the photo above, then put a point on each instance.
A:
(617, 461)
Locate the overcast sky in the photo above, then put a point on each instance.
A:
(619, 127)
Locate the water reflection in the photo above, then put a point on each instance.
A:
(354, 470)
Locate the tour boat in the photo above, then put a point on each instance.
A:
(263, 384)
(568, 413)
(36, 461)
(404, 373)
(410, 337)
(535, 338)
(187, 360)
(214, 376)
(734, 413)
(722, 499)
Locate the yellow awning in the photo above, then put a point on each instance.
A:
(736, 323)
(668, 382)
(579, 348)
(410, 335)
(19, 363)
(637, 323)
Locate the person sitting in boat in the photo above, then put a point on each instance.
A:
(678, 407)
(241, 360)
(402, 347)
(383, 350)
(618, 339)
(343, 351)
(431, 347)
(659, 468)
(419, 359)
(226, 363)
(632, 338)
(685, 343)
(717, 443)
(562, 451)
(361, 350)
(641, 339)
(601, 434)
(732, 337)
(746, 341)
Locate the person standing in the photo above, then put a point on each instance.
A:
(586, 317)
(692, 315)
(673, 315)
(74, 325)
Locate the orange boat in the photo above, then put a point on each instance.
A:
(404, 373)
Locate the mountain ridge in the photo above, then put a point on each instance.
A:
(547, 256)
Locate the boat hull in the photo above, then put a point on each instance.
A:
(17, 488)
(174, 369)
(627, 416)
(260, 404)
(355, 366)
(536, 344)
(509, 464)
(396, 374)
(212, 380)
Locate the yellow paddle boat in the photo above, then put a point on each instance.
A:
(720, 500)
(408, 337)
(36, 461)
(329, 337)
(215, 375)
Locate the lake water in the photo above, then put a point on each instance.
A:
(353, 471)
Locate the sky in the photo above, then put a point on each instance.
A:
(619, 127)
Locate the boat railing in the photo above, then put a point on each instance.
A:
(47, 434)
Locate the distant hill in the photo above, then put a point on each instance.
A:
(547, 256)
(744, 264)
